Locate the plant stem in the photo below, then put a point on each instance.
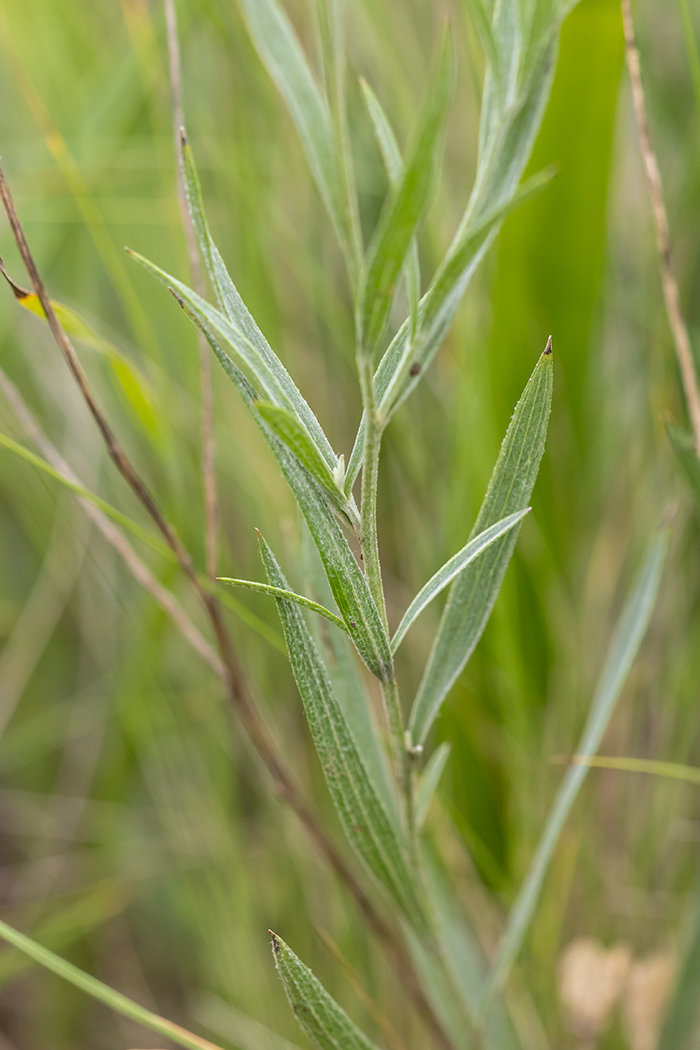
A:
(235, 684)
(679, 330)
(373, 571)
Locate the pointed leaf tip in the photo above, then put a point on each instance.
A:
(548, 347)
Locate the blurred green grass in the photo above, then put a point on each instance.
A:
(137, 835)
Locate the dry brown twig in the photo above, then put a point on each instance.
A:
(234, 682)
(208, 446)
(678, 326)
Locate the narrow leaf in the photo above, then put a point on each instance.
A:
(281, 53)
(345, 578)
(475, 590)
(236, 311)
(427, 785)
(322, 1020)
(444, 576)
(630, 630)
(482, 23)
(296, 437)
(265, 588)
(362, 814)
(400, 216)
(116, 515)
(102, 992)
(393, 163)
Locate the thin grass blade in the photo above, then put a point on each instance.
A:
(282, 55)
(365, 821)
(102, 992)
(630, 630)
(682, 445)
(322, 1020)
(681, 1024)
(393, 163)
(452, 568)
(402, 212)
(475, 590)
(290, 596)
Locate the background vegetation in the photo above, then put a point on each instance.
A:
(138, 834)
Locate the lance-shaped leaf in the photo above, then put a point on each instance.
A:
(323, 1021)
(237, 312)
(281, 53)
(406, 358)
(276, 592)
(296, 437)
(363, 816)
(474, 592)
(346, 580)
(393, 163)
(400, 216)
(630, 630)
(444, 576)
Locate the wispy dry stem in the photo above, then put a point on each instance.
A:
(679, 330)
(234, 681)
(138, 569)
(208, 448)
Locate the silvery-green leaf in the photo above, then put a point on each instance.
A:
(346, 580)
(296, 437)
(406, 359)
(429, 780)
(444, 576)
(238, 314)
(266, 588)
(631, 628)
(403, 210)
(322, 1020)
(474, 592)
(280, 50)
(348, 684)
(360, 808)
(482, 23)
(393, 163)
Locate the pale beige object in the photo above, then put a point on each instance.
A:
(648, 986)
(591, 979)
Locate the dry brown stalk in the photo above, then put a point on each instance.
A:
(678, 326)
(235, 683)
(208, 446)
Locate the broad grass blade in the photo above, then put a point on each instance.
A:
(322, 1020)
(628, 636)
(681, 1023)
(365, 820)
(403, 210)
(393, 163)
(102, 992)
(475, 590)
(346, 580)
(456, 564)
(290, 596)
(282, 55)
(682, 445)
(428, 783)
